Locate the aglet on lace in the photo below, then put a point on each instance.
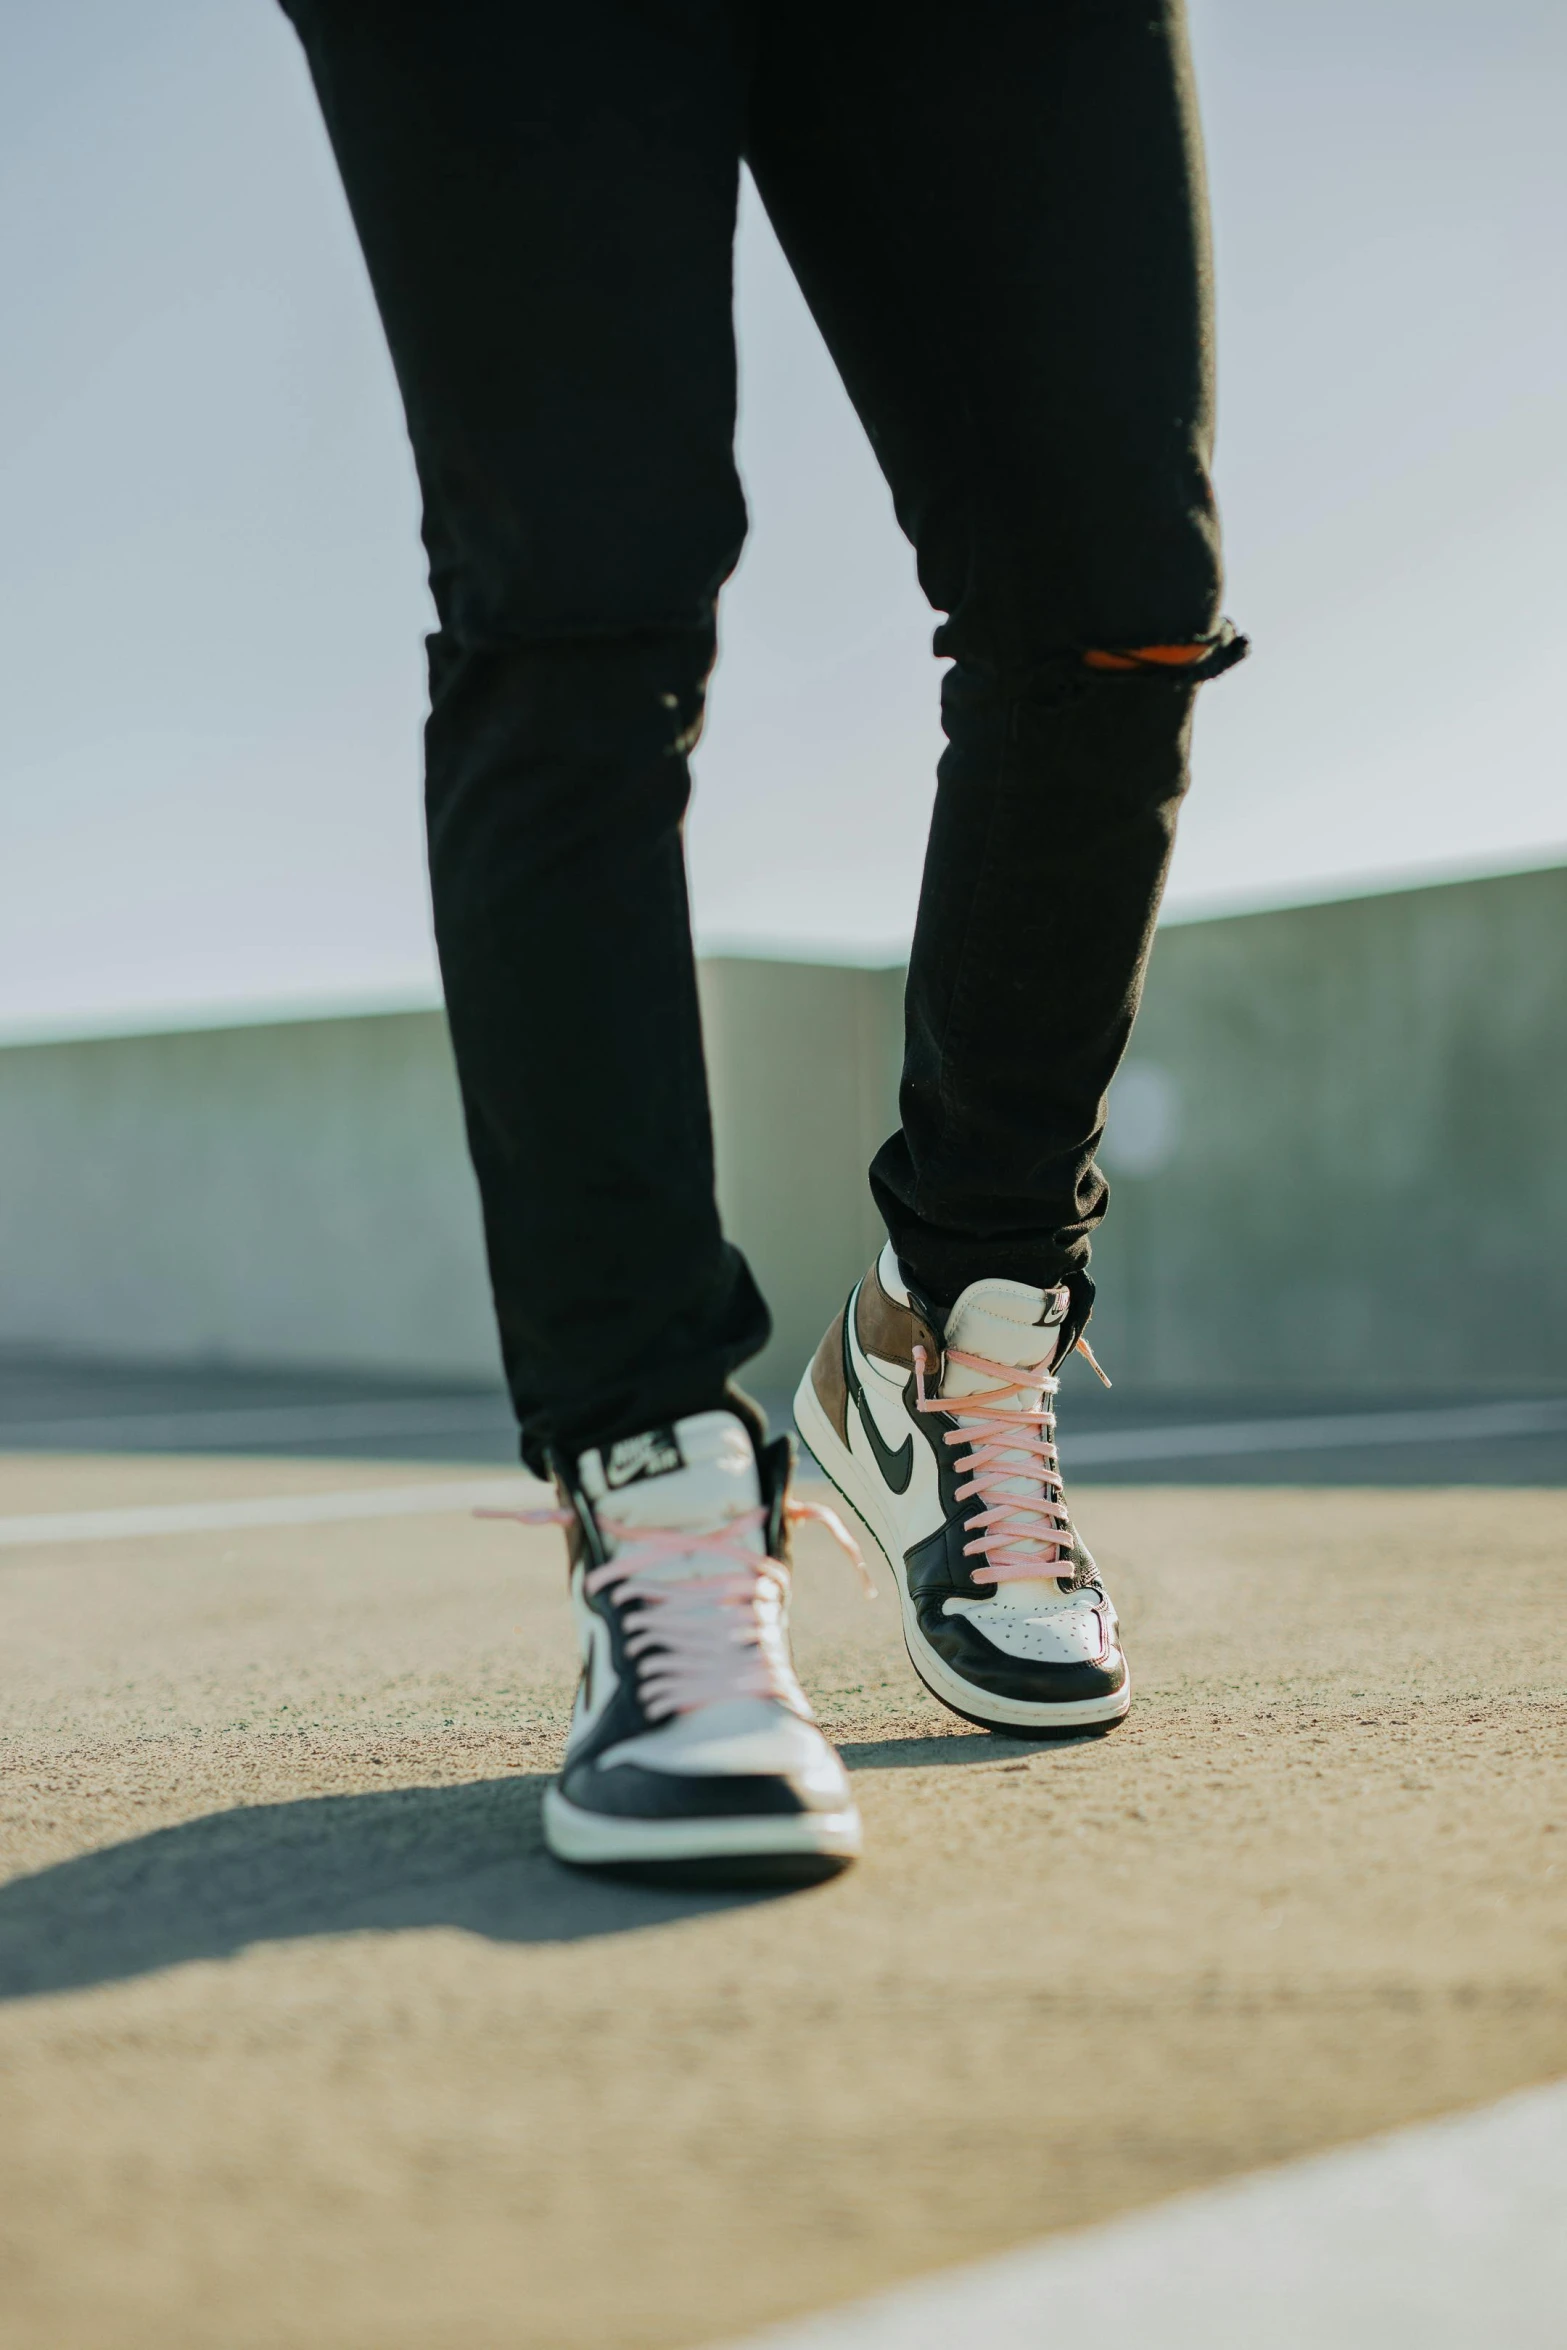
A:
(699, 1640)
(1022, 1537)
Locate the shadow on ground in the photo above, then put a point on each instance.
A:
(960, 1746)
(468, 1856)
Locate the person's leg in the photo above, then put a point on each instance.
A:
(546, 200)
(996, 215)
(546, 203)
(998, 220)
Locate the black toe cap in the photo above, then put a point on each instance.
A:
(625, 1791)
(990, 1672)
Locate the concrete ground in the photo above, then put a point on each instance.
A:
(305, 2043)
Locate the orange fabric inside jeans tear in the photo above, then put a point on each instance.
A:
(1148, 657)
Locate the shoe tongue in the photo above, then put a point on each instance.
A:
(1006, 1322)
(698, 1473)
(1009, 1323)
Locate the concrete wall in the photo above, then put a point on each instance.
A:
(289, 1194)
(1338, 1154)
(300, 1193)
(1347, 1135)
(804, 1061)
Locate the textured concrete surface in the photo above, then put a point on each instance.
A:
(307, 2044)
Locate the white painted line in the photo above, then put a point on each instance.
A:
(454, 1494)
(1461, 1424)
(1445, 2237)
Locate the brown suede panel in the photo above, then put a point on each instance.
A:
(889, 1330)
(828, 1380)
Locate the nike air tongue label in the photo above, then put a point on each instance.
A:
(636, 1457)
(1055, 1308)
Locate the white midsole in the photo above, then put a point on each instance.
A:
(588, 1836)
(859, 1491)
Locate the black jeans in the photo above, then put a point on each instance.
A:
(996, 214)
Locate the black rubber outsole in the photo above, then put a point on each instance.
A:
(738, 1872)
(1057, 1734)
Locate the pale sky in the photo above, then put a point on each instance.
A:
(211, 590)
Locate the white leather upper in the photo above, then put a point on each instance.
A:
(1075, 1628)
(715, 1482)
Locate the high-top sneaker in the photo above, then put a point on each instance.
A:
(693, 1752)
(944, 1444)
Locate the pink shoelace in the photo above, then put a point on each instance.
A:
(703, 1639)
(1022, 1537)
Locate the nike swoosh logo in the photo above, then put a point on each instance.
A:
(896, 1467)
